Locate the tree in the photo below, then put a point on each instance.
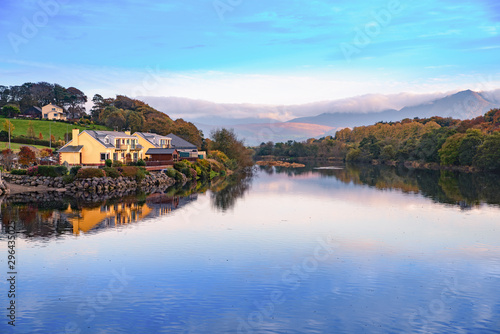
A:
(75, 100)
(469, 145)
(8, 127)
(26, 156)
(40, 136)
(31, 130)
(488, 154)
(226, 141)
(10, 111)
(7, 158)
(450, 151)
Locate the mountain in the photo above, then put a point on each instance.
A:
(279, 123)
(462, 105)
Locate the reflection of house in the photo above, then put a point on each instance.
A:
(107, 216)
(93, 147)
(33, 112)
(51, 111)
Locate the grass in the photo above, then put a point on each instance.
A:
(45, 127)
(16, 146)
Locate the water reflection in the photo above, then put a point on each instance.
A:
(54, 214)
(466, 190)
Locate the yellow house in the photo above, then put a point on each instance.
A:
(92, 148)
(152, 140)
(51, 111)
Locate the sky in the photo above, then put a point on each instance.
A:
(281, 52)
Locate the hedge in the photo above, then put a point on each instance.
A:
(85, 173)
(18, 172)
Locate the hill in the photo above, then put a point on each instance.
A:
(45, 127)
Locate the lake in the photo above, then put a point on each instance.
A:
(341, 249)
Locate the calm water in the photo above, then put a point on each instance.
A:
(343, 250)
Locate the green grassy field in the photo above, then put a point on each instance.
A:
(58, 129)
(16, 146)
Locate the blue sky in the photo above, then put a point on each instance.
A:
(273, 51)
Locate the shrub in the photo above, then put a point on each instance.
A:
(112, 172)
(141, 163)
(116, 163)
(140, 175)
(175, 174)
(128, 171)
(74, 170)
(108, 162)
(18, 171)
(223, 173)
(61, 170)
(170, 172)
(69, 178)
(52, 171)
(85, 173)
(32, 171)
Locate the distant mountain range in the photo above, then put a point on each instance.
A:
(257, 123)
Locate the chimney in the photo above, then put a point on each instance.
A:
(127, 132)
(75, 133)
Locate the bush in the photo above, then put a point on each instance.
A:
(112, 172)
(85, 173)
(128, 171)
(74, 170)
(116, 163)
(18, 172)
(51, 171)
(108, 162)
(223, 173)
(32, 171)
(69, 178)
(141, 163)
(175, 174)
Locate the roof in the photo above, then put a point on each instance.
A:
(153, 138)
(36, 108)
(160, 151)
(178, 142)
(52, 104)
(71, 149)
(101, 136)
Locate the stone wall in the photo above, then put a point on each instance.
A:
(99, 186)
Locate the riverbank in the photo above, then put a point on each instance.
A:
(280, 164)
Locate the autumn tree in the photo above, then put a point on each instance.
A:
(31, 130)
(26, 156)
(40, 136)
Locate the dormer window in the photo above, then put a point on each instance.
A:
(106, 140)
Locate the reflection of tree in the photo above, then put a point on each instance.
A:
(463, 189)
(234, 187)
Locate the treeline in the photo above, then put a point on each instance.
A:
(444, 141)
(39, 94)
(122, 113)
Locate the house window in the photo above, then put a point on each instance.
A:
(53, 109)
(106, 140)
(115, 156)
(123, 155)
(103, 156)
(135, 156)
(46, 116)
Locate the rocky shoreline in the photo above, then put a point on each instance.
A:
(87, 188)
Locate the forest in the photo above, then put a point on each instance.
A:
(435, 140)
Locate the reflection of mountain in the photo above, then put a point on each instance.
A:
(463, 189)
